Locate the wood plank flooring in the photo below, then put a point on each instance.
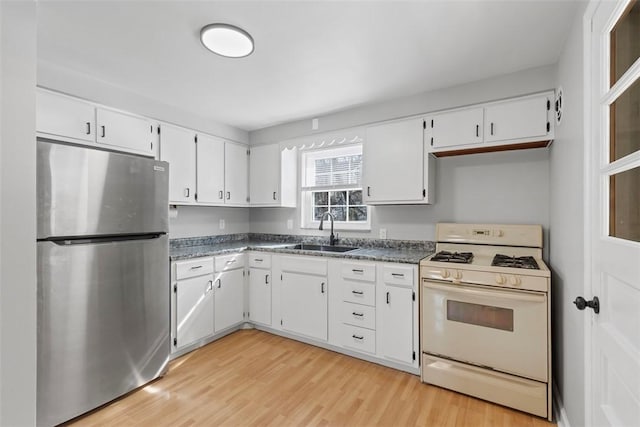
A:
(253, 378)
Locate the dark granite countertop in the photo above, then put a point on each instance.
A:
(401, 251)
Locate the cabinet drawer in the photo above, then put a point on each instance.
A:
(359, 338)
(398, 275)
(299, 264)
(360, 293)
(358, 315)
(260, 260)
(193, 267)
(229, 262)
(359, 271)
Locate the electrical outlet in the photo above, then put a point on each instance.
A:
(315, 124)
(222, 224)
(289, 224)
(383, 233)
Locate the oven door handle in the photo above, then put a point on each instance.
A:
(514, 296)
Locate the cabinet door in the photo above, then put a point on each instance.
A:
(461, 127)
(304, 304)
(396, 328)
(210, 169)
(194, 310)
(264, 175)
(125, 132)
(523, 118)
(62, 116)
(229, 299)
(260, 296)
(393, 162)
(236, 174)
(177, 146)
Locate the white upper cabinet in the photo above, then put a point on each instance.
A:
(236, 174)
(210, 169)
(63, 116)
(459, 127)
(523, 122)
(126, 132)
(178, 147)
(396, 168)
(272, 176)
(516, 119)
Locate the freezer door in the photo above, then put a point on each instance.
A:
(103, 322)
(87, 192)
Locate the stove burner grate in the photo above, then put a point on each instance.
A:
(457, 257)
(515, 262)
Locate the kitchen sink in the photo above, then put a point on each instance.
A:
(323, 248)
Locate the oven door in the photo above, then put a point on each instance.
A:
(495, 328)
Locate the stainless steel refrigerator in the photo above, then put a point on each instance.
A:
(103, 277)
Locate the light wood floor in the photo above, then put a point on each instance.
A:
(255, 378)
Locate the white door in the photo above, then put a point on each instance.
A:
(210, 169)
(304, 304)
(522, 118)
(63, 116)
(393, 162)
(194, 309)
(264, 175)
(236, 174)
(177, 146)
(126, 132)
(461, 127)
(260, 296)
(229, 299)
(613, 362)
(396, 329)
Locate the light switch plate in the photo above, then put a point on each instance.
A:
(222, 224)
(383, 233)
(289, 224)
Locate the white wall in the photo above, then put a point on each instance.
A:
(56, 77)
(519, 83)
(509, 187)
(505, 187)
(194, 221)
(17, 214)
(566, 229)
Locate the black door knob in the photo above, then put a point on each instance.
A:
(581, 304)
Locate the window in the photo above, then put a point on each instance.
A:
(331, 182)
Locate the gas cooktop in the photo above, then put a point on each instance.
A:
(457, 257)
(515, 262)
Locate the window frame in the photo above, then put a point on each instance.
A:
(306, 192)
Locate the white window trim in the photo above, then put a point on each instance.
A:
(306, 202)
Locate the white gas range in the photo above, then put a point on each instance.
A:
(485, 315)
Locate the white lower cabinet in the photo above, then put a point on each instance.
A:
(228, 288)
(397, 313)
(260, 280)
(303, 292)
(192, 301)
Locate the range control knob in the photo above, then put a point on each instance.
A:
(458, 275)
(445, 273)
(515, 280)
(500, 279)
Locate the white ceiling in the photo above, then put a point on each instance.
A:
(311, 57)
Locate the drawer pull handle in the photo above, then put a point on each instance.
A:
(322, 287)
(355, 313)
(219, 283)
(388, 298)
(104, 131)
(274, 195)
(258, 259)
(358, 337)
(88, 128)
(357, 292)
(231, 261)
(209, 287)
(228, 195)
(266, 279)
(397, 274)
(220, 195)
(357, 270)
(195, 267)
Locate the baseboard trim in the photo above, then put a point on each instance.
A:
(559, 414)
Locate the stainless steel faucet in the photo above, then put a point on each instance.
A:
(332, 239)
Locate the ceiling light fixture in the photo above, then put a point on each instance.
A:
(227, 40)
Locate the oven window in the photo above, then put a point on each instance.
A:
(480, 315)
